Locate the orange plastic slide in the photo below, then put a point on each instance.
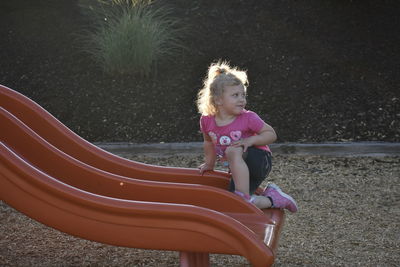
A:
(57, 134)
(140, 210)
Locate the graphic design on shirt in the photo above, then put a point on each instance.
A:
(219, 152)
(245, 125)
(224, 140)
(235, 135)
(213, 137)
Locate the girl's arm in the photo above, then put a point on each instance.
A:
(209, 155)
(264, 137)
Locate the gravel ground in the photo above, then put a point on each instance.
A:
(349, 215)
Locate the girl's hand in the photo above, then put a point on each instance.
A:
(205, 167)
(245, 143)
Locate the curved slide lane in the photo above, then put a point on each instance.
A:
(60, 136)
(57, 189)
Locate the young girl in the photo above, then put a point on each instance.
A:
(237, 137)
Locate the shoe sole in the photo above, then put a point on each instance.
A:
(274, 186)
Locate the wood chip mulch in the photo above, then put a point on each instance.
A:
(349, 216)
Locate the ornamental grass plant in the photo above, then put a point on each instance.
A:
(130, 37)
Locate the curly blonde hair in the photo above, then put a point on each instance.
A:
(219, 76)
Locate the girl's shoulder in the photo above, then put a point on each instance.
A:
(207, 118)
(251, 117)
(206, 121)
(248, 113)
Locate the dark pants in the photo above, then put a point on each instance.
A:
(259, 163)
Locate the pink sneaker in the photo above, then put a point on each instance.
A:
(280, 199)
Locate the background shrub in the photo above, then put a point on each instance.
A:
(130, 37)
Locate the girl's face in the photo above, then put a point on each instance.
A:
(232, 101)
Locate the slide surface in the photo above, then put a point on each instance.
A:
(150, 210)
(57, 134)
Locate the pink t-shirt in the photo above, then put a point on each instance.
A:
(245, 125)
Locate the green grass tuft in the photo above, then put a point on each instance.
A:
(131, 37)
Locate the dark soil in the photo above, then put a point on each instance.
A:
(319, 70)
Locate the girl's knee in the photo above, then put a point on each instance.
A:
(233, 152)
